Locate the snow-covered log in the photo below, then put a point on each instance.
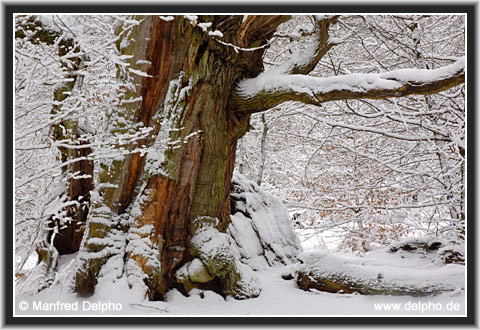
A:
(378, 274)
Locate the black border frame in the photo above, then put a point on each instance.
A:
(10, 10)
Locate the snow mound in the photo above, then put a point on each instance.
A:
(261, 227)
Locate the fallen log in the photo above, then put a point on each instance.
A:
(336, 274)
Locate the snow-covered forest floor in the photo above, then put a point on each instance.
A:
(414, 266)
(278, 297)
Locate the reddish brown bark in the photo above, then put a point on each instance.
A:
(159, 52)
(174, 228)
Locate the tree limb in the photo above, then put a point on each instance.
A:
(258, 28)
(322, 43)
(270, 89)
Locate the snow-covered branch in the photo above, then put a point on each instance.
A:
(383, 132)
(270, 88)
(305, 63)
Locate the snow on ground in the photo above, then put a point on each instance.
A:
(278, 298)
(261, 224)
(311, 240)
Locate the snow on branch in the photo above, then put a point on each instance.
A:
(383, 132)
(305, 63)
(271, 88)
(237, 48)
(43, 29)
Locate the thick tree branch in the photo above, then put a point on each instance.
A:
(322, 43)
(256, 29)
(270, 89)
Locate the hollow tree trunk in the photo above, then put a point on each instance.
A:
(176, 198)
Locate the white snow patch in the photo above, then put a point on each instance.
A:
(215, 33)
(205, 26)
(139, 73)
(144, 62)
(167, 18)
(191, 17)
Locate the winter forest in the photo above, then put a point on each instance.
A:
(232, 164)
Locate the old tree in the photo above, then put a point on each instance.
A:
(185, 88)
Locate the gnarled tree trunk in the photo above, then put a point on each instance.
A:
(177, 196)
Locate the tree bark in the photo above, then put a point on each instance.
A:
(263, 141)
(179, 190)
